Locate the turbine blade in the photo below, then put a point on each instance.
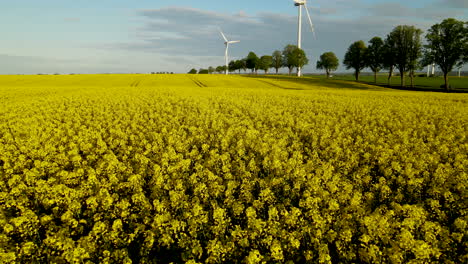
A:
(310, 20)
(222, 34)
(233, 41)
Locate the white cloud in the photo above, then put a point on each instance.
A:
(262, 33)
(180, 38)
(265, 32)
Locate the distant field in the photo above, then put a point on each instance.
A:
(459, 84)
(230, 169)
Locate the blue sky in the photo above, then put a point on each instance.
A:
(89, 36)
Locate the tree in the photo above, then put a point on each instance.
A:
(406, 47)
(252, 61)
(203, 71)
(355, 58)
(239, 65)
(287, 62)
(328, 62)
(447, 46)
(243, 64)
(221, 69)
(415, 55)
(388, 57)
(294, 57)
(374, 56)
(265, 63)
(299, 59)
(193, 71)
(277, 60)
(465, 60)
(211, 70)
(232, 66)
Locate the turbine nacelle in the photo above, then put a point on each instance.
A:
(299, 2)
(231, 42)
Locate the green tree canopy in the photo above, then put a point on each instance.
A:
(252, 61)
(294, 57)
(447, 46)
(287, 58)
(355, 58)
(203, 71)
(221, 69)
(243, 64)
(374, 55)
(265, 63)
(193, 71)
(299, 58)
(277, 60)
(406, 48)
(211, 69)
(328, 62)
(232, 66)
(239, 65)
(388, 57)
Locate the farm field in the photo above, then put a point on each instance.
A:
(458, 84)
(229, 169)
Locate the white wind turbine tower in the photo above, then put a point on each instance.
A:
(299, 4)
(226, 43)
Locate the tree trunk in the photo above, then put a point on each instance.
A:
(290, 70)
(411, 77)
(356, 75)
(375, 77)
(328, 73)
(402, 75)
(277, 70)
(390, 74)
(446, 81)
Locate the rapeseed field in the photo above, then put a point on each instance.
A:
(229, 169)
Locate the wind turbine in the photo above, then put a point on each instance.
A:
(226, 43)
(299, 4)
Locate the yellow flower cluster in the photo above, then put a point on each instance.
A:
(159, 169)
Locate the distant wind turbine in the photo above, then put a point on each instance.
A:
(226, 43)
(299, 4)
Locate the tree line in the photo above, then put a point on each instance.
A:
(403, 50)
(291, 57)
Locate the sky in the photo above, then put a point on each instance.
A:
(140, 36)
